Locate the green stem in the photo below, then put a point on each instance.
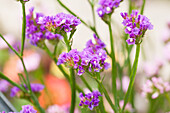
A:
(130, 6)
(36, 102)
(114, 67)
(2, 76)
(132, 77)
(107, 96)
(26, 73)
(143, 6)
(10, 46)
(60, 67)
(73, 90)
(65, 7)
(72, 79)
(101, 105)
(167, 97)
(86, 83)
(23, 28)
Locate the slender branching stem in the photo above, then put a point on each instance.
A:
(132, 77)
(114, 67)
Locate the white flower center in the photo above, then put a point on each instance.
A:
(131, 40)
(108, 9)
(63, 21)
(40, 20)
(100, 12)
(95, 62)
(129, 29)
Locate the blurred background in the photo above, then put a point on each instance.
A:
(43, 70)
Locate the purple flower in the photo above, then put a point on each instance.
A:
(130, 41)
(107, 7)
(60, 23)
(4, 85)
(90, 99)
(14, 91)
(92, 58)
(28, 109)
(34, 87)
(154, 87)
(37, 87)
(136, 26)
(36, 32)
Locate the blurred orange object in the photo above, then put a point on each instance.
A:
(14, 66)
(59, 92)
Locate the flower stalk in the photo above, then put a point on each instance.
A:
(132, 77)
(114, 67)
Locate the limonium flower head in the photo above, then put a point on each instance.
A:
(107, 7)
(34, 87)
(37, 32)
(154, 87)
(4, 85)
(90, 100)
(28, 109)
(136, 26)
(60, 23)
(92, 58)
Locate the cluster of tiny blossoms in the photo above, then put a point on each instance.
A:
(107, 7)
(34, 87)
(25, 109)
(28, 109)
(154, 87)
(36, 32)
(92, 58)
(136, 26)
(90, 99)
(61, 23)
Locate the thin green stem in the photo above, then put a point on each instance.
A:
(130, 6)
(36, 102)
(143, 6)
(2, 76)
(107, 96)
(72, 79)
(23, 28)
(10, 46)
(167, 97)
(101, 105)
(22, 77)
(60, 67)
(132, 77)
(114, 67)
(26, 73)
(55, 51)
(71, 12)
(73, 90)
(86, 83)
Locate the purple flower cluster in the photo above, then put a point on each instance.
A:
(4, 85)
(155, 87)
(34, 87)
(36, 32)
(60, 23)
(107, 7)
(28, 109)
(136, 26)
(92, 58)
(90, 99)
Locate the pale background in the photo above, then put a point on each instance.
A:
(158, 11)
